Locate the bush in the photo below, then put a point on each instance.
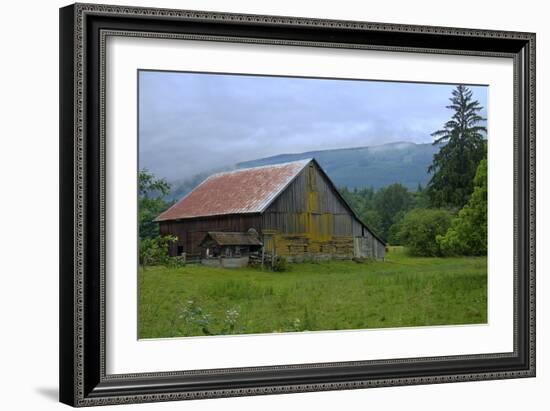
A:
(155, 251)
(420, 228)
(176, 262)
(468, 232)
(280, 264)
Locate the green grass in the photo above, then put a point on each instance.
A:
(402, 291)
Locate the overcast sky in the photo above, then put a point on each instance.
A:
(191, 122)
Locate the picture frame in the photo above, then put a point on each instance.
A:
(84, 29)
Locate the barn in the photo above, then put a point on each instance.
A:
(291, 209)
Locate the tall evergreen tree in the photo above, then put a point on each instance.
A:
(462, 141)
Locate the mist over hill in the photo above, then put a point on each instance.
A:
(373, 166)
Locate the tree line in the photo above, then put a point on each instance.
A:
(449, 215)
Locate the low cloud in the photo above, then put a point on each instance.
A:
(191, 123)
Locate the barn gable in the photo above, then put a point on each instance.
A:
(311, 215)
(323, 199)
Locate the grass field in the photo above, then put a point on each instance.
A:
(401, 291)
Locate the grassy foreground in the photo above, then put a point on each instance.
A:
(401, 291)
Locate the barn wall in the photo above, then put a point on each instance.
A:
(357, 228)
(309, 192)
(380, 250)
(309, 218)
(191, 232)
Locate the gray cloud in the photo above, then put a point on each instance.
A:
(190, 123)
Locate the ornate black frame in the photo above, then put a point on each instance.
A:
(83, 30)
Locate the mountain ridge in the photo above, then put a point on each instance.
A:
(367, 166)
(353, 167)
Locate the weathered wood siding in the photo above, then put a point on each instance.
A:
(191, 232)
(309, 218)
(380, 250)
(368, 246)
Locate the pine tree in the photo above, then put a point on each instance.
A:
(463, 146)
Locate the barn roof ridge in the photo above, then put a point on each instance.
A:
(305, 161)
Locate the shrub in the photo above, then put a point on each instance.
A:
(420, 228)
(176, 262)
(155, 251)
(280, 264)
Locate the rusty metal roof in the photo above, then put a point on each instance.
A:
(228, 238)
(248, 190)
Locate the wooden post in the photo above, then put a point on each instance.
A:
(263, 256)
(274, 253)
